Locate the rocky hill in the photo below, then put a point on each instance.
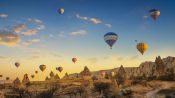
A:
(147, 68)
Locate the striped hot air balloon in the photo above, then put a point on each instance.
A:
(110, 38)
(154, 13)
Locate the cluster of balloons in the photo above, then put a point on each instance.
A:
(111, 37)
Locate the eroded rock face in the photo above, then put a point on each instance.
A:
(146, 69)
(25, 79)
(57, 77)
(17, 83)
(85, 72)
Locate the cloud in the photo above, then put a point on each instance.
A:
(145, 16)
(79, 32)
(35, 57)
(56, 55)
(61, 34)
(108, 25)
(3, 57)
(19, 28)
(8, 38)
(24, 30)
(93, 60)
(30, 32)
(93, 20)
(30, 42)
(81, 17)
(134, 57)
(3, 15)
(120, 58)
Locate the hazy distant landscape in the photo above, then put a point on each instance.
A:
(152, 79)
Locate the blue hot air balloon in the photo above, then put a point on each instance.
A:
(110, 38)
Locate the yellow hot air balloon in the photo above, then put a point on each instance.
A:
(142, 47)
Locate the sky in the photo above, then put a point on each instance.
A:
(32, 32)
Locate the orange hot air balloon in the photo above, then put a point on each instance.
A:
(74, 60)
(42, 67)
(17, 64)
(142, 47)
(36, 72)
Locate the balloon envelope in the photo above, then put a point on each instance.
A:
(36, 72)
(74, 60)
(32, 76)
(110, 38)
(154, 13)
(17, 64)
(60, 69)
(42, 67)
(61, 11)
(142, 47)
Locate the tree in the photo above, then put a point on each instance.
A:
(101, 86)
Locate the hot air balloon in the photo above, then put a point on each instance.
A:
(32, 76)
(154, 13)
(17, 64)
(110, 38)
(7, 78)
(36, 72)
(60, 69)
(142, 47)
(61, 11)
(42, 67)
(74, 60)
